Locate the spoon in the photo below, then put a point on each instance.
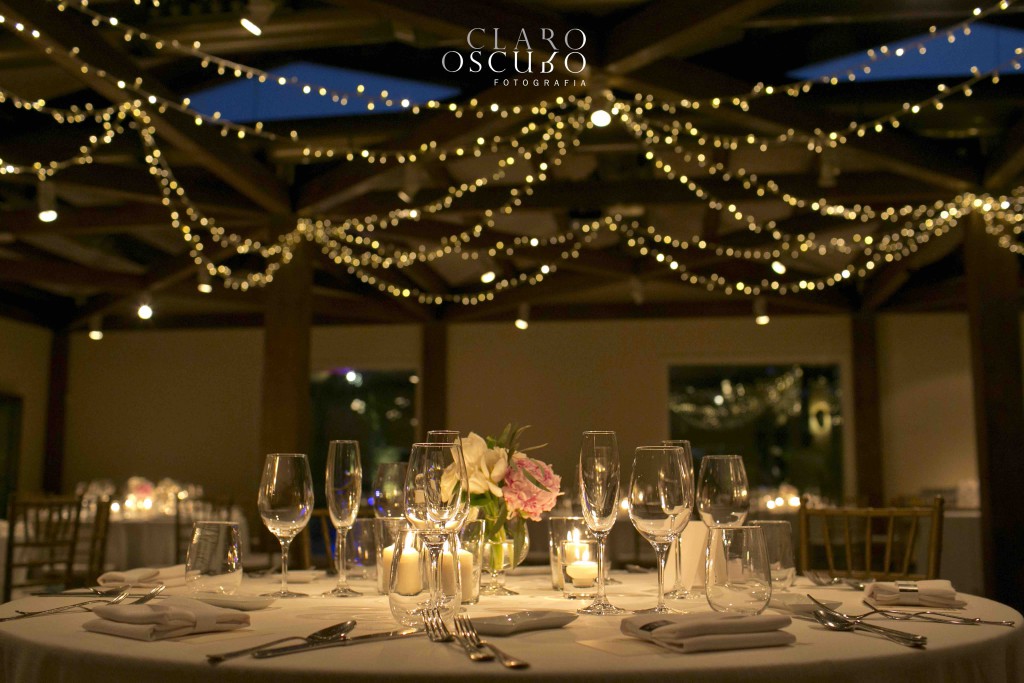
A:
(335, 632)
(836, 623)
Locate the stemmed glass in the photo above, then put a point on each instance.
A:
(660, 500)
(389, 490)
(677, 588)
(723, 496)
(285, 502)
(599, 494)
(344, 489)
(436, 500)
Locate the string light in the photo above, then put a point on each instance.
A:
(523, 318)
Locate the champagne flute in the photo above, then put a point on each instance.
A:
(678, 591)
(723, 496)
(436, 500)
(286, 502)
(389, 490)
(344, 488)
(660, 501)
(599, 494)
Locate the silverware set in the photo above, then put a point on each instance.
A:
(468, 638)
(86, 605)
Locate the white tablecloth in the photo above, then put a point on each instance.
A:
(56, 649)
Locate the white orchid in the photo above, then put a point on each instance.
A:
(485, 468)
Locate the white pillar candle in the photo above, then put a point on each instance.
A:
(409, 581)
(583, 573)
(448, 571)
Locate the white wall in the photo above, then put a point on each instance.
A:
(564, 378)
(25, 372)
(926, 402)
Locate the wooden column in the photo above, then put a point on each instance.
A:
(53, 456)
(867, 415)
(286, 423)
(993, 288)
(434, 382)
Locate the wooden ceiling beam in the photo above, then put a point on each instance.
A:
(1007, 164)
(91, 220)
(801, 13)
(60, 33)
(902, 154)
(890, 278)
(665, 28)
(56, 272)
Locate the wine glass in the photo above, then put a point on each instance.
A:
(723, 497)
(660, 501)
(678, 591)
(389, 490)
(436, 500)
(344, 489)
(286, 502)
(599, 495)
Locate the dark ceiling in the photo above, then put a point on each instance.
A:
(617, 232)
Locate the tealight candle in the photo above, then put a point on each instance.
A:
(576, 551)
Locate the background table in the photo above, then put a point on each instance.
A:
(56, 648)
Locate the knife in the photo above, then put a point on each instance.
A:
(367, 638)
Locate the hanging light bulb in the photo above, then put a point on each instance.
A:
(488, 277)
(96, 328)
(205, 283)
(523, 321)
(761, 311)
(145, 310)
(599, 115)
(779, 267)
(600, 118)
(257, 14)
(46, 198)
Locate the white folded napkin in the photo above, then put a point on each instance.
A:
(145, 576)
(705, 632)
(930, 593)
(169, 618)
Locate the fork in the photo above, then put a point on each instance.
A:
(464, 626)
(928, 615)
(439, 633)
(120, 597)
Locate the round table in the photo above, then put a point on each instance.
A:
(56, 648)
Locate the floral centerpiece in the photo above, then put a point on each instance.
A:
(506, 486)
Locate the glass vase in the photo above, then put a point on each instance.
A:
(507, 542)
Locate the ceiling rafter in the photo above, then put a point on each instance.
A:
(61, 32)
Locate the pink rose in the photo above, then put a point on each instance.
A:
(522, 494)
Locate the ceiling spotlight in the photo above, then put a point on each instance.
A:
(488, 277)
(779, 267)
(145, 310)
(96, 328)
(761, 312)
(205, 284)
(523, 321)
(46, 198)
(257, 14)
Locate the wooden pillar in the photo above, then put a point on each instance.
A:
(993, 290)
(286, 422)
(53, 455)
(434, 384)
(867, 417)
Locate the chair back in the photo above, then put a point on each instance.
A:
(190, 510)
(876, 543)
(322, 527)
(98, 541)
(41, 538)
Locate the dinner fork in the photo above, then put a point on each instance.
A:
(439, 633)
(465, 627)
(120, 597)
(929, 615)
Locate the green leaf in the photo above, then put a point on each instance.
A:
(533, 480)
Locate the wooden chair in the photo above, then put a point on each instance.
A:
(877, 543)
(320, 524)
(97, 547)
(41, 538)
(189, 510)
